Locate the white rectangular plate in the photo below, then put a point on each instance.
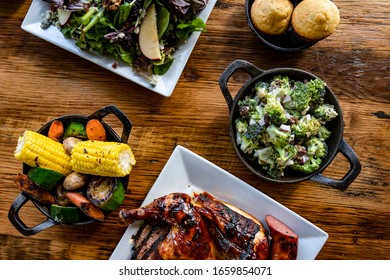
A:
(165, 84)
(187, 172)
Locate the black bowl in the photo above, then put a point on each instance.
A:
(22, 198)
(336, 142)
(287, 42)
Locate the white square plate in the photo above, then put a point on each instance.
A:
(165, 84)
(187, 172)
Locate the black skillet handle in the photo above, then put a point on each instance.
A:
(352, 173)
(112, 109)
(13, 216)
(229, 71)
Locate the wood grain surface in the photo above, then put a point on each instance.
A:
(40, 81)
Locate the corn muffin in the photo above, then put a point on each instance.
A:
(313, 20)
(271, 17)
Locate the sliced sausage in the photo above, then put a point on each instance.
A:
(284, 242)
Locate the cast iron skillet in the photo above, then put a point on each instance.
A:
(22, 198)
(335, 142)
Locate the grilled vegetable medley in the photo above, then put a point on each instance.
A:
(72, 171)
(142, 33)
(282, 125)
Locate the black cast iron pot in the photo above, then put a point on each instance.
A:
(336, 142)
(22, 198)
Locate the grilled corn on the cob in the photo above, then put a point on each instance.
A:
(113, 159)
(35, 149)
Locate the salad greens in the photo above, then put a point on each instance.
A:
(282, 124)
(111, 28)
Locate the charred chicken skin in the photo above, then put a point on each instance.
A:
(188, 237)
(237, 234)
(177, 226)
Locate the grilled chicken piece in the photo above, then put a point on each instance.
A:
(238, 234)
(188, 237)
(148, 239)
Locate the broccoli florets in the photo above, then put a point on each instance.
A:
(250, 108)
(279, 87)
(277, 137)
(323, 132)
(298, 99)
(275, 159)
(241, 125)
(254, 132)
(266, 157)
(325, 112)
(257, 113)
(246, 105)
(250, 139)
(305, 96)
(306, 127)
(281, 82)
(246, 145)
(282, 125)
(275, 111)
(317, 148)
(316, 89)
(310, 165)
(261, 89)
(286, 155)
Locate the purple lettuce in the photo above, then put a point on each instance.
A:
(69, 5)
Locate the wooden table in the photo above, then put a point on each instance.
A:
(40, 81)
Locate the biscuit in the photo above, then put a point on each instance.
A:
(313, 20)
(271, 17)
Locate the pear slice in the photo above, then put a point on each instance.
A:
(63, 15)
(148, 35)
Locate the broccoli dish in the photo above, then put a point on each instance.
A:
(282, 125)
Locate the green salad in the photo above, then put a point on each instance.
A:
(282, 124)
(142, 33)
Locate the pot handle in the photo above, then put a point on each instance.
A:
(13, 216)
(229, 71)
(112, 109)
(352, 173)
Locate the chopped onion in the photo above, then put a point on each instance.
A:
(261, 92)
(305, 158)
(287, 98)
(290, 162)
(285, 128)
(262, 121)
(304, 112)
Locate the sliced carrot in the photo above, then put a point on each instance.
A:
(56, 130)
(85, 205)
(95, 130)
